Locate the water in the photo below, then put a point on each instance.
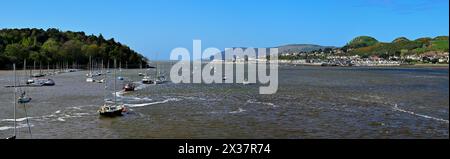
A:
(312, 102)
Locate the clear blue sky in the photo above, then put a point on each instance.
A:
(158, 26)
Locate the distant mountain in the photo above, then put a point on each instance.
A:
(292, 48)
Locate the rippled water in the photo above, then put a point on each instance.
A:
(312, 102)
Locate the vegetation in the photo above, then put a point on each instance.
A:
(367, 46)
(53, 47)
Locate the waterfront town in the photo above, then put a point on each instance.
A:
(338, 58)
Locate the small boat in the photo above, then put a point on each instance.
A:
(37, 75)
(111, 110)
(30, 81)
(101, 81)
(160, 80)
(24, 98)
(147, 80)
(141, 74)
(120, 78)
(90, 79)
(49, 82)
(128, 87)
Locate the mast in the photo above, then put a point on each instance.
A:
(106, 84)
(24, 70)
(90, 65)
(14, 101)
(115, 93)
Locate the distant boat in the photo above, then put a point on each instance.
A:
(120, 78)
(246, 82)
(37, 75)
(30, 81)
(101, 81)
(24, 98)
(49, 82)
(141, 74)
(90, 79)
(129, 87)
(160, 80)
(147, 80)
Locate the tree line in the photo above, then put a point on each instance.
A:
(54, 47)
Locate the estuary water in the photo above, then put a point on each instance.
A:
(311, 102)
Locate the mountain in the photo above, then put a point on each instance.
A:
(295, 48)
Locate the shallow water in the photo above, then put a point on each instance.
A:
(312, 102)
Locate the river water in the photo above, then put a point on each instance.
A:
(311, 102)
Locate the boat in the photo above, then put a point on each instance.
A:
(37, 75)
(49, 82)
(24, 98)
(129, 87)
(147, 80)
(101, 81)
(160, 80)
(90, 79)
(30, 81)
(246, 82)
(120, 78)
(112, 110)
(141, 74)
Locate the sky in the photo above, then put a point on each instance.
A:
(155, 27)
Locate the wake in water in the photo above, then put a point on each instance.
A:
(254, 101)
(240, 110)
(59, 115)
(19, 126)
(396, 108)
(153, 103)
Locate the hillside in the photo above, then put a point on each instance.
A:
(53, 46)
(401, 46)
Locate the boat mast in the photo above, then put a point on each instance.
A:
(14, 101)
(106, 84)
(115, 93)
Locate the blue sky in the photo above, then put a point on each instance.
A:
(154, 27)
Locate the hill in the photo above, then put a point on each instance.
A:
(367, 46)
(53, 46)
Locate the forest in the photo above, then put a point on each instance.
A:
(55, 48)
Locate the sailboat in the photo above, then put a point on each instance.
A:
(140, 70)
(90, 76)
(112, 110)
(160, 79)
(24, 98)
